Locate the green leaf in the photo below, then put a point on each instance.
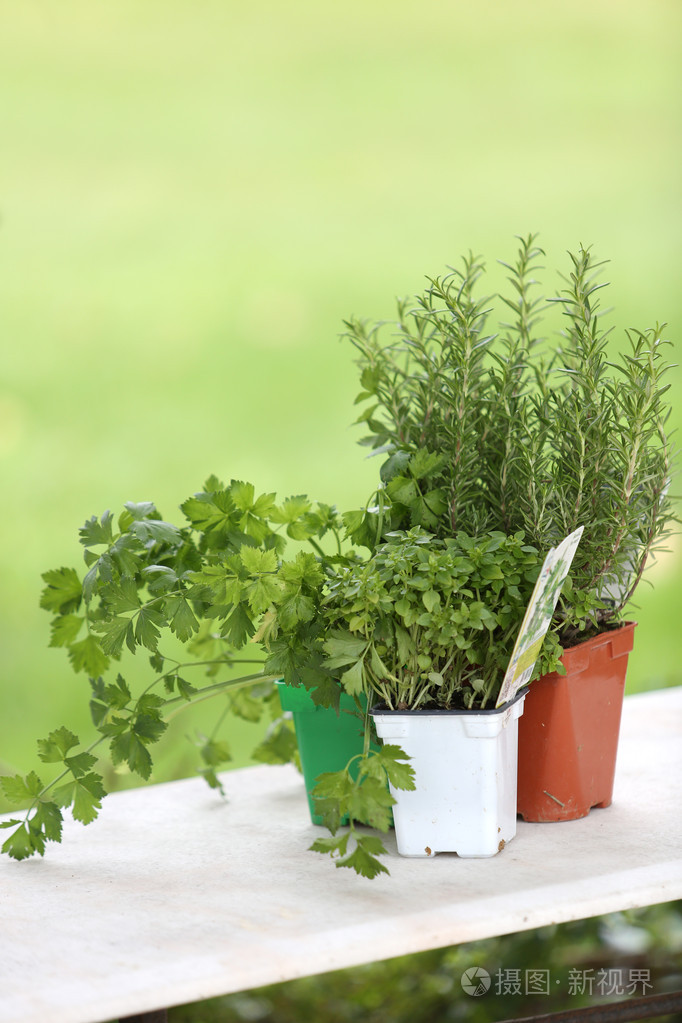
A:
(149, 620)
(242, 494)
(352, 679)
(129, 747)
(155, 530)
(149, 727)
(208, 512)
(84, 795)
(293, 610)
(90, 580)
(431, 600)
(403, 490)
(343, 649)
(53, 750)
(279, 745)
(371, 803)
(21, 790)
(334, 785)
(22, 843)
(395, 465)
(117, 694)
(182, 619)
(114, 633)
(121, 597)
(185, 688)
(292, 509)
(106, 699)
(304, 570)
(264, 505)
(333, 847)
(157, 662)
(363, 860)
(425, 464)
(331, 812)
(48, 819)
(63, 591)
(385, 762)
(246, 706)
(211, 778)
(215, 753)
(87, 655)
(326, 692)
(436, 501)
(255, 560)
(262, 592)
(80, 764)
(141, 510)
(491, 572)
(238, 628)
(88, 794)
(95, 532)
(378, 666)
(65, 629)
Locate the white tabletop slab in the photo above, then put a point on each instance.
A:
(174, 895)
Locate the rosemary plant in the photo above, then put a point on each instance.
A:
(503, 428)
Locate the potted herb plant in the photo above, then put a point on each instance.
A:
(195, 600)
(426, 627)
(494, 425)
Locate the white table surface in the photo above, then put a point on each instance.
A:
(174, 895)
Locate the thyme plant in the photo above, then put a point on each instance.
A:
(500, 427)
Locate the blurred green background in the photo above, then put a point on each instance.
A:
(194, 196)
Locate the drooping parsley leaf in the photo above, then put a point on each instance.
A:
(87, 655)
(95, 532)
(363, 859)
(84, 794)
(65, 629)
(63, 591)
(58, 743)
(182, 619)
(386, 762)
(21, 790)
(279, 745)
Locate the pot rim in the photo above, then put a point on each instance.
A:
(378, 710)
(604, 635)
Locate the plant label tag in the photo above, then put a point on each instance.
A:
(538, 616)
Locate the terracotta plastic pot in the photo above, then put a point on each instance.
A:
(327, 741)
(568, 735)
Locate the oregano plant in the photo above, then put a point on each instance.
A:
(422, 624)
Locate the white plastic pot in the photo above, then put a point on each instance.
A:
(465, 765)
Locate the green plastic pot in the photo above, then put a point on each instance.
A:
(326, 740)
